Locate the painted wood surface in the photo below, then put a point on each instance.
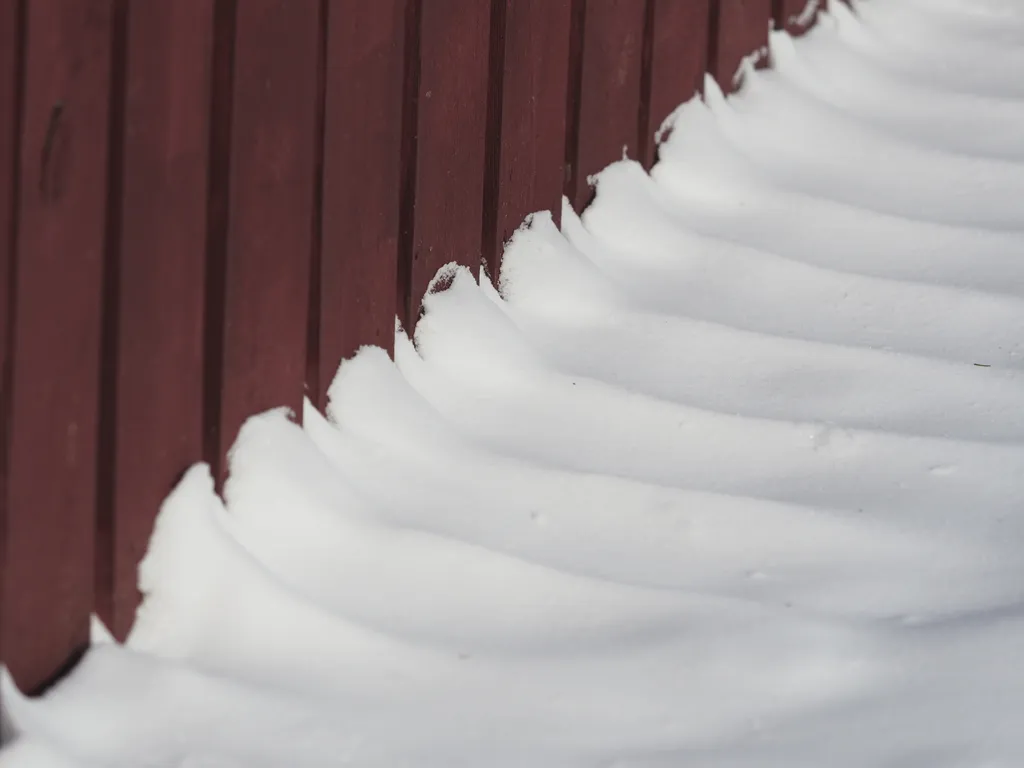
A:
(445, 132)
(272, 182)
(527, 123)
(154, 354)
(677, 58)
(605, 120)
(55, 349)
(738, 29)
(10, 128)
(358, 270)
(797, 16)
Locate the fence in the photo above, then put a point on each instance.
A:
(205, 205)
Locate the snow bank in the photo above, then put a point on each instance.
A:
(728, 473)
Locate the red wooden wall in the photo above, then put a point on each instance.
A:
(447, 77)
(796, 16)
(526, 116)
(353, 291)
(54, 331)
(205, 205)
(10, 81)
(738, 28)
(605, 90)
(152, 412)
(676, 58)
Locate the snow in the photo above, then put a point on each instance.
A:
(807, 15)
(728, 474)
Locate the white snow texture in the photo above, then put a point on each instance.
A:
(730, 474)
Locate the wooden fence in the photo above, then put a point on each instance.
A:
(205, 205)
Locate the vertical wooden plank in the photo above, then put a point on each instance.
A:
(739, 28)
(10, 113)
(677, 39)
(796, 16)
(48, 582)
(447, 78)
(272, 180)
(529, 91)
(157, 345)
(608, 114)
(361, 180)
(217, 207)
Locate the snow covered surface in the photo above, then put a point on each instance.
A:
(731, 476)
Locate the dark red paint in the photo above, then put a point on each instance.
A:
(54, 396)
(529, 92)
(677, 60)
(157, 346)
(9, 131)
(445, 126)
(788, 15)
(269, 236)
(738, 29)
(362, 138)
(607, 110)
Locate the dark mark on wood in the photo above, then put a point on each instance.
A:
(47, 181)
